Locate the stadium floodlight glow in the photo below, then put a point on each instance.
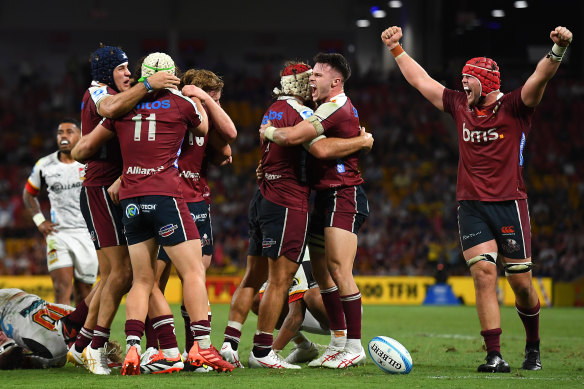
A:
(362, 23)
(498, 13)
(377, 12)
(395, 4)
(520, 4)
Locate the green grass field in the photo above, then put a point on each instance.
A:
(444, 343)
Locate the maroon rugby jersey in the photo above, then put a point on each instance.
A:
(338, 119)
(282, 165)
(192, 165)
(150, 136)
(103, 168)
(491, 142)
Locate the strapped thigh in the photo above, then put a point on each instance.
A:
(517, 268)
(489, 257)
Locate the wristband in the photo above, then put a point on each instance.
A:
(38, 219)
(556, 53)
(147, 85)
(269, 133)
(397, 51)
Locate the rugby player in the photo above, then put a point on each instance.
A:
(341, 207)
(493, 214)
(71, 259)
(110, 95)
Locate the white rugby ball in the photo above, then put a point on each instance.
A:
(390, 355)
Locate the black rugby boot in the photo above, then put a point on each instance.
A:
(495, 364)
(532, 361)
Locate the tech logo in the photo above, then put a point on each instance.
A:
(508, 230)
(132, 210)
(478, 136)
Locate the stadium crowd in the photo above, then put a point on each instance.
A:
(410, 173)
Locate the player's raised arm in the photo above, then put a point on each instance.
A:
(534, 87)
(412, 71)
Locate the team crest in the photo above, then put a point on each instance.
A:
(511, 246)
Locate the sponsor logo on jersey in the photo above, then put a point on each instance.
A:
(167, 230)
(272, 115)
(147, 207)
(82, 173)
(58, 187)
(164, 104)
(340, 167)
(521, 147)
(511, 246)
(271, 177)
(189, 175)
(97, 92)
(143, 171)
(306, 113)
(508, 230)
(295, 282)
(199, 217)
(132, 210)
(355, 112)
(268, 242)
(92, 234)
(478, 136)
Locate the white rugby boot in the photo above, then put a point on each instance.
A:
(270, 361)
(231, 355)
(96, 360)
(303, 352)
(346, 358)
(329, 353)
(75, 357)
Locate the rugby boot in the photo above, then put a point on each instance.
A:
(188, 367)
(159, 364)
(131, 365)
(346, 358)
(329, 353)
(96, 360)
(208, 356)
(271, 361)
(75, 357)
(231, 355)
(495, 364)
(532, 360)
(302, 353)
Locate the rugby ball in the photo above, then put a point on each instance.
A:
(389, 355)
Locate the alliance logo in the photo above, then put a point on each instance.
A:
(132, 210)
(167, 230)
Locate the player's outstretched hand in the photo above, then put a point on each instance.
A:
(367, 138)
(561, 36)
(391, 36)
(161, 80)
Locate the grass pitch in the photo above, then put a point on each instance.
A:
(444, 342)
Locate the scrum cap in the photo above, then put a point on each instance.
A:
(157, 62)
(294, 80)
(103, 62)
(486, 71)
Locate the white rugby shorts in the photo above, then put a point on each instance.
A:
(73, 248)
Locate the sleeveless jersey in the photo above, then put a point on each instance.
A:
(150, 137)
(63, 182)
(491, 143)
(103, 168)
(284, 180)
(336, 118)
